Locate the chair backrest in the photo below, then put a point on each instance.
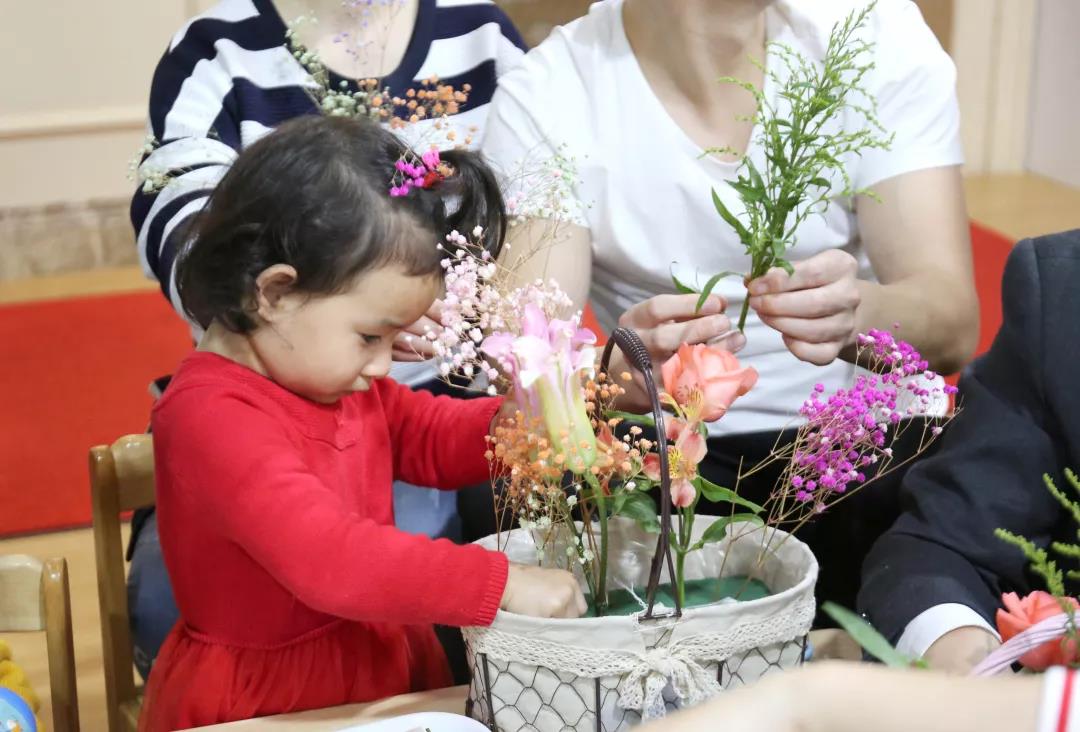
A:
(34, 596)
(121, 479)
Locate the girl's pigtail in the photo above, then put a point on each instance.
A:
(472, 198)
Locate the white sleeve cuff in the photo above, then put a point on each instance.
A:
(929, 625)
(1059, 709)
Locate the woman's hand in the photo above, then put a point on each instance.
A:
(814, 308)
(665, 322)
(542, 593)
(412, 344)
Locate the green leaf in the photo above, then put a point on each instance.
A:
(644, 419)
(619, 500)
(707, 290)
(643, 484)
(788, 203)
(682, 289)
(718, 529)
(785, 265)
(755, 176)
(641, 508)
(719, 494)
(819, 181)
(1066, 550)
(730, 218)
(864, 634)
(748, 193)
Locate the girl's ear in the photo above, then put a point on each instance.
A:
(271, 287)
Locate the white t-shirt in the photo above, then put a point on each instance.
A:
(645, 194)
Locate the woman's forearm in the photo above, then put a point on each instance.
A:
(934, 315)
(917, 240)
(857, 697)
(849, 697)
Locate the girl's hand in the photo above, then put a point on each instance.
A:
(542, 593)
(507, 411)
(412, 343)
(813, 309)
(665, 322)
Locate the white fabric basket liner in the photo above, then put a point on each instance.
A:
(660, 661)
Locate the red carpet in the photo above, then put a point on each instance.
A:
(990, 250)
(76, 374)
(77, 371)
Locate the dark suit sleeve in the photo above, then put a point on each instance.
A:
(987, 474)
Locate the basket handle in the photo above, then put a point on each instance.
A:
(637, 356)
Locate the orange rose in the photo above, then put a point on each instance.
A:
(1021, 613)
(705, 380)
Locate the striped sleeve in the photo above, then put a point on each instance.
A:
(227, 79)
(198, 139)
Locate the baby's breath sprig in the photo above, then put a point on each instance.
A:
(803, 151)
(145, 170)
(371, 99)
(149, 178)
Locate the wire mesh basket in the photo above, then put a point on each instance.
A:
(612, 672)
(523, 697)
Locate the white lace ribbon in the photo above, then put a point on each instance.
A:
(642, 687)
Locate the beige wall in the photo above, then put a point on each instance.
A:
(1053, 146)
(992, 44)
(72, 119)
(73, 115)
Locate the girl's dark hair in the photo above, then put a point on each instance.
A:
(314, 194)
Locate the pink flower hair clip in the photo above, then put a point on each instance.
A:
(426, 173)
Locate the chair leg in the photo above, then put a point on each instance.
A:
(61, 647)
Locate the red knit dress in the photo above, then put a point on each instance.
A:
(275, 516)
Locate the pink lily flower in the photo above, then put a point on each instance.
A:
(546, 362)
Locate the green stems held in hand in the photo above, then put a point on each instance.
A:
(803, 148)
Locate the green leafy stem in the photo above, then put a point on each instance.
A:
(804, 150)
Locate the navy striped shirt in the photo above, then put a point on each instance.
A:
(228, 78)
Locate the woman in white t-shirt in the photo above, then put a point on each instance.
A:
(631, 91)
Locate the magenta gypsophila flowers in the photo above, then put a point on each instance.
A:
(849, 431)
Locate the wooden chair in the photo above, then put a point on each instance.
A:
(34, 597)
(121, 479)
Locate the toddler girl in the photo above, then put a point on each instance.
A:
(277, 442)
